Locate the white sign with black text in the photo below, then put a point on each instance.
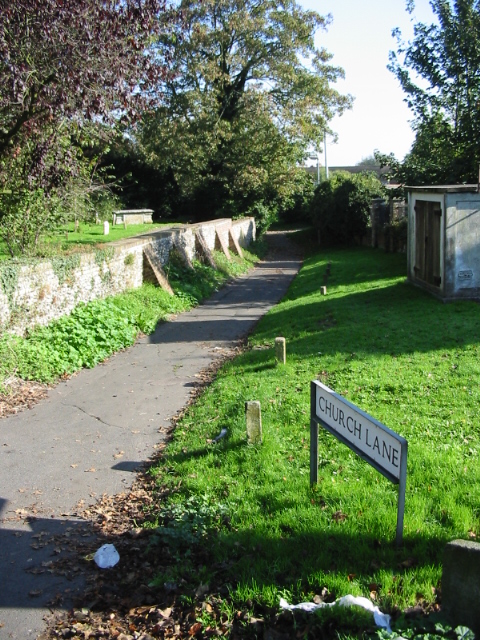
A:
(378, 445)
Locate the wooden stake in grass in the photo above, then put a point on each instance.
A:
(280, 350)
(253, 414)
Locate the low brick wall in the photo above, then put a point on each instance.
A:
(37, 293)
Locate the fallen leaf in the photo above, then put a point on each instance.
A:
(195, 628)
(92, 470)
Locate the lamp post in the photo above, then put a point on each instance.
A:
(325, 151)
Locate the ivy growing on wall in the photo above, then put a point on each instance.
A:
(9, 273)
(64, 266)
(104, 255)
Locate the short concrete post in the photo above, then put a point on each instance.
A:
(461, 584)
(280, 350)
(106, 228)
(323, 291)
(253, 415)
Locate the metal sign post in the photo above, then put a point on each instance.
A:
(375, 443)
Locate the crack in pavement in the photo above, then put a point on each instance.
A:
(90, 415)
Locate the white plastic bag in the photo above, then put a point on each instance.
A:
(381, 619)
(106, 557)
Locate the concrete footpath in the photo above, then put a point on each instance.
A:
(93, 431)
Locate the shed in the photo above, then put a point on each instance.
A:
(443, 247)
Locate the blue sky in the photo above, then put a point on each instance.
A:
(360, 39)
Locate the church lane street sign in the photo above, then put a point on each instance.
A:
(378, 445)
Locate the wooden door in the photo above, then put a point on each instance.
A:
(428, 216)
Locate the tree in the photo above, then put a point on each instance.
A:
(248, 93)
(340, 208)
(368, 161)
(69, 70)
(445, 101)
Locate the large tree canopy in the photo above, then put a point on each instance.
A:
(439, 70)
(248, 93)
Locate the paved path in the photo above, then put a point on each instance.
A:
(91, 432)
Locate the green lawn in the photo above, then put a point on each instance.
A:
(241, 521)
(244, 520)
(88, 234)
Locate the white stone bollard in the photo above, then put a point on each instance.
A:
(253, 416)
(280, 350)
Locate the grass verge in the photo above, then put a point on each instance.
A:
(242, 523)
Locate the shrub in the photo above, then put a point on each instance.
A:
(340, 208)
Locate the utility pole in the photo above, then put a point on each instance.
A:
(325, 151)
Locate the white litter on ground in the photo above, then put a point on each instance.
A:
(106, 557)
(381, 619)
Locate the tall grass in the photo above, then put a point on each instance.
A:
(395, 351)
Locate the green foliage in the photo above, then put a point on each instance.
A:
(445, 57)
(340, 209)
(64, 266)
(68, 186)
(86, 337)
(141, 183)
(395, 352)
(297, 207)
(424, 629)
(248, 94)
(190, 522)
(9, 278)
(94, 331)
(129, 259)
(24, 215)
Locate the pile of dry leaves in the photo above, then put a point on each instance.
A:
(121, 602)
(20, 395)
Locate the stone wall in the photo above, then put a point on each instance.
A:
(37, 293)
